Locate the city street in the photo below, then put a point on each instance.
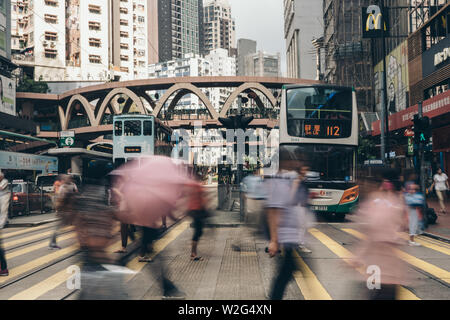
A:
(39, 273)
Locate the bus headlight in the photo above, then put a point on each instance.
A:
(350, 195)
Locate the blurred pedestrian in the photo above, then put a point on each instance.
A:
(440, 184)
(381, 218)
(285, 206)
(64, 198)
(198, 212)
(94, 221)
(117, 201)
(254, 195)
(415, 202)
(5, 196)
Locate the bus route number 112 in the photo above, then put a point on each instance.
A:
(333, 131)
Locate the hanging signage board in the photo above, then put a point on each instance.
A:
(374, 22)
(410, 147)
(24, 161)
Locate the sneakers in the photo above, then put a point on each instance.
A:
(145, 259)
(414, 244)
(304, 249)
(54, 247)
(4, 273)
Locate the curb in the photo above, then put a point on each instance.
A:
(434, 236)
(222, 225)
(30, 224)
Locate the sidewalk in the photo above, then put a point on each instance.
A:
(442, 227)
(31, 220)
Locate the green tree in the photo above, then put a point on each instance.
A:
(29, 85)
(366, 149)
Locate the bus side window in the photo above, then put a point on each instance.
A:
(118, 128)
(147, 128)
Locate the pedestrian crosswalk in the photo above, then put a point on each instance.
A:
(27, 254)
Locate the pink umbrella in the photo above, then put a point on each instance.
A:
(150, 191)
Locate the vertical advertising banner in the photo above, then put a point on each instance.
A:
(7, 95)
(397, 80)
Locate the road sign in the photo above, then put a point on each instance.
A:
(67, 141)
(410, 146)
(65, 134)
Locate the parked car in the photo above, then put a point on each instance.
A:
(46, 181)
(26, 197)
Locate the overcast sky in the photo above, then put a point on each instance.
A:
(261, 20)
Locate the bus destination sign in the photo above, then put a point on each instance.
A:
(132, 150)
(328, 130)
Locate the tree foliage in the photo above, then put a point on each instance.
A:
(29, 85)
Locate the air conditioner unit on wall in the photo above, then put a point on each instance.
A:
(52, 44)
(45, 43)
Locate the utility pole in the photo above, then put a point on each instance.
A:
(384, 106)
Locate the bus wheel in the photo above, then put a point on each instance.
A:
(340, 216)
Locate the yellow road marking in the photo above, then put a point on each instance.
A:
(57, 279)
(50, 283)
(434, 241)
(36, 247)
(7, 235)
(20, 270)
(10, 244)
(347, 256)
(159, 245)
(308, 283)
(439, 273)
(427, 244)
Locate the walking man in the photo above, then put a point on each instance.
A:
(4, 205)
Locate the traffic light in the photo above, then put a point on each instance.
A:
(422, 130)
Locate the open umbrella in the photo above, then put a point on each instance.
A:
(150, 190)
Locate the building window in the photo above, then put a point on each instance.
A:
(123, 34)
(95, 9)
(51, 18)
(124, 46)
(53, 3)
(94, 25)
(95, 42)
(123, 10)
(95, 58)
(124, 69)
(50, 53)
(123, 22)
(51, 36)
(124, 57)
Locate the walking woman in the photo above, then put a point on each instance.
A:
(440, 184)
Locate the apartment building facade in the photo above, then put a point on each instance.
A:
(263, 64)
(80, 41)
(219, 26)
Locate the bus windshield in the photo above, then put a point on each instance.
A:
(327, 162)
(319, 112)
(46, 181)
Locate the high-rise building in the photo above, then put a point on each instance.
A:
(244, 48)
(262, 64)
(303, 22)
(219, 26)
(77, 40)
(348, 60)
(221, 65)
(7, 84)
(179, 24)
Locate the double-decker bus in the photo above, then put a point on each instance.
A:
(320, 123)
(136, 136)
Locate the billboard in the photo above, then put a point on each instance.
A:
(7, 95)
(397, 80)
(23, 161)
